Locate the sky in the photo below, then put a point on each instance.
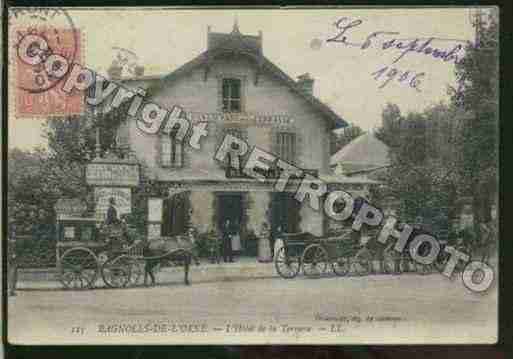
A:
(295, 40)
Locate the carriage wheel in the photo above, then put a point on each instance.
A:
(341, 266)
(78, 268)
(286, 265)
(315, 260)
(116, 271)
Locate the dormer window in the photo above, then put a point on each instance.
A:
(231, 95)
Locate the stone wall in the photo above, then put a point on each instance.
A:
(257, 211)
(202, 205)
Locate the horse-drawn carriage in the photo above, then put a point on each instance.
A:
(85, 250)
(314, 255)
(350, 257)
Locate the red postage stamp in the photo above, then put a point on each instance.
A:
(39, 94)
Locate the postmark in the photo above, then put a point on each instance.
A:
(35, 85)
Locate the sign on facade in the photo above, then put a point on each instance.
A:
(112, 174)
(155, 210)
(72, 207)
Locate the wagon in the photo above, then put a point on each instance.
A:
(315, 254)
(338, 253)
(85, 251)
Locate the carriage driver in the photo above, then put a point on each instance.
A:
(112, 213)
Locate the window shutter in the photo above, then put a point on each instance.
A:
(178, 154)
(165, 151)
(293, 158)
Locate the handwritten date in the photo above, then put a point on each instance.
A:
(387, 73)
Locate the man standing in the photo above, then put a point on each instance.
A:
(12, 263)
(112, 213)
(228, 232)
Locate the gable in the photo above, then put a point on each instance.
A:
(207, 59)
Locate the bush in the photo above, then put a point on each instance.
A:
(250, 245)
(35, 252)
(206, 242)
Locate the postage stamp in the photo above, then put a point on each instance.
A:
(253, 176)
(35, 37)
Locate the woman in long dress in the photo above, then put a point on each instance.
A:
(264, 244)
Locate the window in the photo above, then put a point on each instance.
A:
(171, 150)
(286, 146)
(232, 95)
(234, 166)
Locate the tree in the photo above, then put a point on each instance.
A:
(26, 191)
(477, 95)
(72, 144)
(30, 208)
(421, 176)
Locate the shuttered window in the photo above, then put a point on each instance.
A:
(231, 95)
(286, 146)
(171, 151)
(236, 169)
(174, 212)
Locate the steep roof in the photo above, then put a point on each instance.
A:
(249, 46)
(365, 152)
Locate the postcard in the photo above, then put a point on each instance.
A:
(252, 176)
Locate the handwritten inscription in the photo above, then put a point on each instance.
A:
(388, 74)
(389, 41)
(381, 39)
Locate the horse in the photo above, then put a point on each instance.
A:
(176, 249)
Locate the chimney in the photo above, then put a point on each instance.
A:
(305, 82)
(114, 72)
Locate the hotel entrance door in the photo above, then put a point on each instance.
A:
(229, 206)
(284, 213)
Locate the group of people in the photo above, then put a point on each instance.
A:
(231, 243)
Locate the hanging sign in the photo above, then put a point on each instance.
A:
(112, 174)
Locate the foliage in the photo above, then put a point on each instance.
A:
(422, 174)
(447, 152)
(250, 244)
(38, 178)
(206, 243)
(30, 195)
(35, 251)
(477, 94)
